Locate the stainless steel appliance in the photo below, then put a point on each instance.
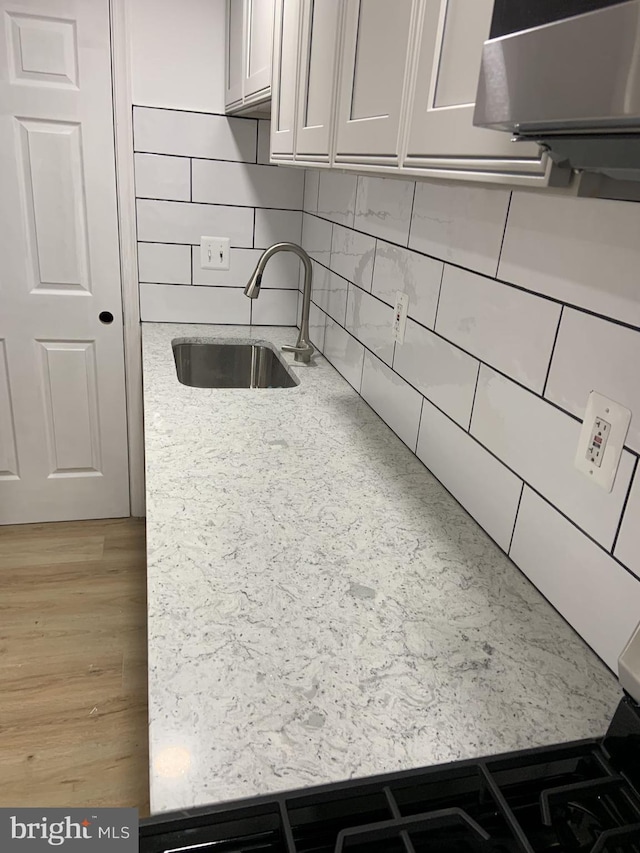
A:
(566, 73)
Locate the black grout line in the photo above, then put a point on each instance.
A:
(257, 145)
(195, 112)
(624, 505)
(473, 356)
(435, 316)
(574, 306)
(206, 159)
(413, 201)
(490, 452)
(552, 353)
(216, 204)
(473, 401)
(190, 179)
(253, 236)
(415, 451)
(515, 519)
(504, 232)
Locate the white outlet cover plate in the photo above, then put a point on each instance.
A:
(619, 417)
(400, 316)
(214, 253)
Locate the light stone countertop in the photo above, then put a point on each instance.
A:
(320, 607)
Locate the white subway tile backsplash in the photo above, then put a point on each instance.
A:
(627, 548)
(593, 354)
(194, 134)
(320, 284)
(383, 208)
(182, 222)
(163, 263)
(158, 176)
(264, 139)
(317, 322)
(441, 371)
(371, 322)
(582, 251)
(481, 483)
(275, 308)
(416, 275)
(165, 303)
(352, 255)
(539, 442)
(344, 352)
(507, 328)
(281, 271)
(337, 197)
(460, 223)
(335, 301)
(397, 403)
(276, 226)
(594, 594)
(242, 184)
(311, 185)
(316, 238)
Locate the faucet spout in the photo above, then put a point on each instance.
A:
(304, 349)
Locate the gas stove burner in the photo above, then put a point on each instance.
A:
(577, 827)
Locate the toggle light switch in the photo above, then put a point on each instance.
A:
(214, 253)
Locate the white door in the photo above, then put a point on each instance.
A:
(284, 78)
(316, 99)
(441, 136)
(258, 36)
(234, 53)
(63, 437)
(376, 52)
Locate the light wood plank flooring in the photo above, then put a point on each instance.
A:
(73, 674)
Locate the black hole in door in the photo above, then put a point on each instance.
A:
(105, 317)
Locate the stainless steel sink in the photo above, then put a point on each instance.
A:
(230, 365)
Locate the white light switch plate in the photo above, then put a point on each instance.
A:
(214, 253)
(400, 316)
(604, 430)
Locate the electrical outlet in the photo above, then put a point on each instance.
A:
(214, 253)
(602, 437)
(400, 316)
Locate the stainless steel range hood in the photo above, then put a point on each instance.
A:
(572, 85)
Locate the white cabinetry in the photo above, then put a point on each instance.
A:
(285, 86)
(441, 139)
(317, 82)
(374, 76)
(249, 47)
(389, 87)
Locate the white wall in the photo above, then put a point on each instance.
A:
(177, 53)
(519, 305)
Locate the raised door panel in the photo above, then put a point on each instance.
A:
(284, 78)
(8, 450)
(376, 51)
(441, 136)
(234, 63)
(258, 35)
(316, 98)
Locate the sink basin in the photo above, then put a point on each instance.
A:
(230, 365)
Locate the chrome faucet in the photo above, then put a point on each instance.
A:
(303, 349)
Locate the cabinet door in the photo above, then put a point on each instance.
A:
(284, 81)
(317, 88)
(234, 52)
(441, 138)
(376, 49)
(258, 34)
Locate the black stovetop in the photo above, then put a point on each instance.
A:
(581, 797)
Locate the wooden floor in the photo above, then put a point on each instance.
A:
(73, 676)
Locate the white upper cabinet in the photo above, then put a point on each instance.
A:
(234, 54)
(375, 60)
(441, 139)
(249, 49)
(284, 86)
(317, 83)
